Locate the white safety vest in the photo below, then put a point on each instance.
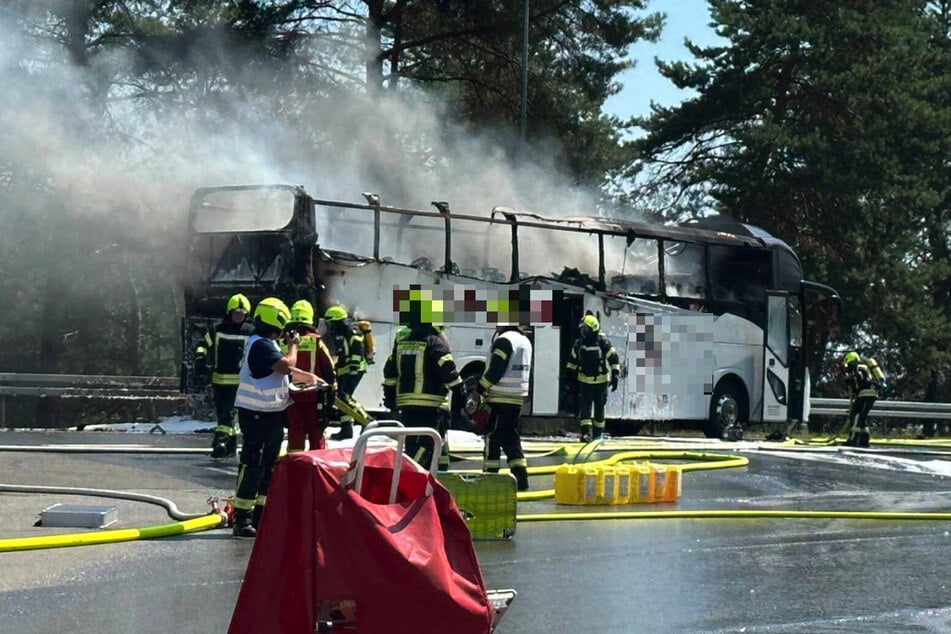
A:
(268, 394)
(513, 386)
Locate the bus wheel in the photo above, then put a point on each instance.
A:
(727, 409)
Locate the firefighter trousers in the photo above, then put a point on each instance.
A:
(592, 396)
(505, 422)
(420, 448)
(263, 433)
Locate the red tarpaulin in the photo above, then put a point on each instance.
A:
(326, 552)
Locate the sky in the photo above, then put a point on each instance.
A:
(643, 84)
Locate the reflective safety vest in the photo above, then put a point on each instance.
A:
(512, 387)
(268, 394)
(225, 342)
(350, 359)
(314, 357)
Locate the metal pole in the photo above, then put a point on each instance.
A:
(523, 114)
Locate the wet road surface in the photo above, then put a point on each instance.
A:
(657, 575)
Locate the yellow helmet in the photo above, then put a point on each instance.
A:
(335, 313)
(591, 322)
(239, 302)
(850, 356)
(273, 312)
(302, 312)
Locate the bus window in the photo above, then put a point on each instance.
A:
(777, 330)
(795, 321)
(259, 260)
(739, 277)
(482, 251)
(684, 270)
(569, 256)
(243, 210)
(346, 230)
(632, 269)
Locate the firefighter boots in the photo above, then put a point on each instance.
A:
(256, 515)
(224, 446)
(219, 445)
(586, 433)
(521, 478)
(597, 432)
(345, 433)
(243, 526)
(858, 438)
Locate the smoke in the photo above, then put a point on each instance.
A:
(122, 148)
(98, 160)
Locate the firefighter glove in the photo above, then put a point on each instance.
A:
(614, 382)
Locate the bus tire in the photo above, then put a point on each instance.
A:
(728, 407)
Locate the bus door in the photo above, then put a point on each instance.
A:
(546, 367)
(567, 316)
(782, 358)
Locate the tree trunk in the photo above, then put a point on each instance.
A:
(374, 45)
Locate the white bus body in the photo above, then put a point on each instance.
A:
(679, 362)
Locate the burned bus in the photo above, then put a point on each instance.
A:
(713, 321)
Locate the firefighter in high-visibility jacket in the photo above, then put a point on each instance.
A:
(594, 364)
(220, 352)
(417, 378)
(262, 400)
(351, 365)
(309, 412)
(862, 377)
(504, 386)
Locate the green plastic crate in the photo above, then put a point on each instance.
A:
(487, 500)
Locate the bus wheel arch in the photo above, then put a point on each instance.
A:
(729, 405)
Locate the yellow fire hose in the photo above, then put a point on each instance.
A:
(187, 522)
(214, 520)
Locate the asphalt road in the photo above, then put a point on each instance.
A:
(657, 575)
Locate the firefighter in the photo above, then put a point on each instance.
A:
(504, 386)
(308, 413)
(262, 399)
(224, 344)
(350, 364)
(860, 373)
(417, 377)
(593, 364)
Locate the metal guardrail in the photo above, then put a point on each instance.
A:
(884, 409)
(167, 387)
(88, 386)
(133, 388)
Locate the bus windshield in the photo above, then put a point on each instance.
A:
(230, 210)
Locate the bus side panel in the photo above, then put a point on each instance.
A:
(738, 350)
(670, 363)
(366, 288)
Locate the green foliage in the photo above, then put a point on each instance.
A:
(827, 123)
